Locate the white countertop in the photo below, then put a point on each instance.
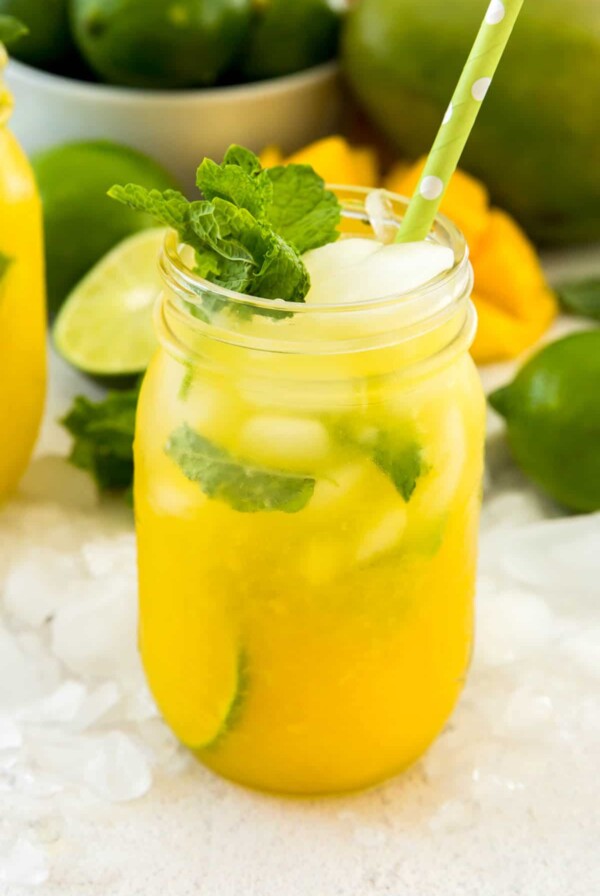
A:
(505, 803)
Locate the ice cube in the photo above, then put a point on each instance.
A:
(104, 554)
(340, 485)
(559, 555)
(24, 864)
(510, 509)
(138, 704)
(117, 768)
(59, 707)
(291, 443)
(97, 636)
(163, 748)
(356, 270)
(445, 454)
(40, 581)
(20, 680)
(528, 711)
(383, 535)
(380, 211)
(512, 623)
(96, 705)
(10, 735)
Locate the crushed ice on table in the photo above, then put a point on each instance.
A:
(77, 720)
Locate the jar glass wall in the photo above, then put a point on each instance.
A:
(22, 306)
(307, 494)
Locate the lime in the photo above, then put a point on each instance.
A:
(80, 220)
(49, 39)
(159, 44)
(289, 37)
(552, 413)
(105, 327)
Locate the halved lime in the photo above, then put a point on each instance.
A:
(105, 327)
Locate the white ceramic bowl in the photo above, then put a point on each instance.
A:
(177, 128)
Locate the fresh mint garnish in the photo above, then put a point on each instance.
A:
(245, 487)
(11, 30)
(103, 434)
(5, 263)
(401, 459)
(251, 227)
(582, 298)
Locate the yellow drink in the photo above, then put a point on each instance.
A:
(319, 646)
(22, 307)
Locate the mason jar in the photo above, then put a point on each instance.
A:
(307, 495)
(22, 304)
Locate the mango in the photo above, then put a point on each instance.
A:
(536, 143)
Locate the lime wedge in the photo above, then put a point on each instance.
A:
(105, 327)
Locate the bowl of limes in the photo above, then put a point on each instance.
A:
(178, 79)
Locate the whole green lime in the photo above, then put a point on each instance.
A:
(81, 222)
(159, 44)
(287, 37)
(49, 39)
(536, 143)
(552, 412)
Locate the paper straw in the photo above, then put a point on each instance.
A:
(459, 119)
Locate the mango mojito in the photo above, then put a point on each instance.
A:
(308, 471)
(22, 304)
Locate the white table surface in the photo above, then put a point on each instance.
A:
(505, 804)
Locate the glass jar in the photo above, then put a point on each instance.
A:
(307, 495)
(22, 304)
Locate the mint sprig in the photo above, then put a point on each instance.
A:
(244, 486)
(251, 227)
(103, 434)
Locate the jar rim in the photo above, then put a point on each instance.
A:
(174, 269)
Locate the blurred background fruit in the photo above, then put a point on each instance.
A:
(105, 326)
(552, 416)
(49, 42)
(287, 37)
(537, 141)
(81, 222)
(154, 44)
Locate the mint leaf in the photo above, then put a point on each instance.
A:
(11, 30)
(302, 211)
(251, 190)
(278, 270)
(169, 207)
(401, 459)
(244, 487)
(5, 263)
(245, 158)
(221, 255)
(103, 434)
(582, 298)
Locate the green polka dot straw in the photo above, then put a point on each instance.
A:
(459, 119)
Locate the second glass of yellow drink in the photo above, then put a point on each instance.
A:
(22, 304)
